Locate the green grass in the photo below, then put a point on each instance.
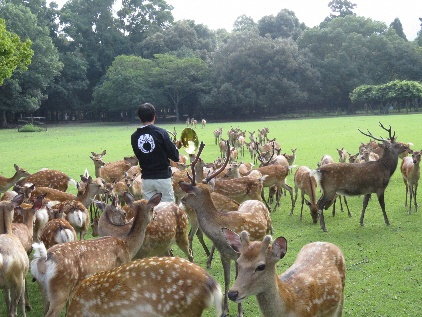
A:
(383, 262)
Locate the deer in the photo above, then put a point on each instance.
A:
(252, 215)
(161, 287)
(48, 178)
(343, 155)
(359, 179)
(170, 225)
(290, 157)
(25, 231)
(368, 156)
(76, 214)
(57, 231)
(113, 171)
(312, 286)
(217, 135)
(203, 123)
(410, 170)
(307, 185)
(6, 183)
(60, 269)
(94, 187)
(14, 261)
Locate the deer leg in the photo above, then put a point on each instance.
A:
(365, 204)
(382, 204)
(226, 269)
(322, 203)
(407, 190)
(347, 206)
(410, 198)
(290, 190)
(414, 195)
(341, 204)
(25, 298)
(209, 260)
(200, 236)
(301, 208)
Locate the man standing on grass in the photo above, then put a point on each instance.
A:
(153, 148)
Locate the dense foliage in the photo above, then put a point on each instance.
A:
(92, 63)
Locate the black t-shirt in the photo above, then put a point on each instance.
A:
(153, 148)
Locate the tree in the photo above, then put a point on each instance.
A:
(341, 8)
(126, 85)
(23, 92)
(179, 79)
(244, 23)
(398, 27)
(14, 53)
(285, 24)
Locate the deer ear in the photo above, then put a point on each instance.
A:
(233, 239)
(279, 248)
(155, 200)
(18, 199)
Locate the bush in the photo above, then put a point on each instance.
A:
(30, 128)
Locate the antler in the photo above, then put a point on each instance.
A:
(192, 179)
(261, 159)
(222, 167)
(391, 138)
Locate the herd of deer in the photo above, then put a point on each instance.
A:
(128, 269)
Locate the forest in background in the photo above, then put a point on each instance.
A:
(86, 62)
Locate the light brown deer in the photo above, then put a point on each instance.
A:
(211, 221)
(203, 123)
(368, 156)
(217, 135)
(291, 157)
(57, 231)
(113, 171)
(359, 179)
(48, 178)
(25, 231)
(76, 214)
(312, 286)
(160, 287)
(307, 185)
(94, 187)
(6, 183)
(169, 226)
(14, 262)
(343, 155)
(60, 269)
(410, 170)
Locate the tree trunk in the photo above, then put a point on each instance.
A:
(3, 120)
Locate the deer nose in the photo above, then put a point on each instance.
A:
(232, 295)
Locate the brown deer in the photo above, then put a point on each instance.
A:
(160, 287)
(291, 157)
(203, 123)
(14, 261)
(48, 178)
(94, 187)
(312, 286)
(359, 179)
(343, 155)
(25, 231)
(113, 171)
(76, 214)
(6, 183)
(254, 217)
(169, 226)
(410, 170)
(57, 231)
(60, 269)
(307, 185)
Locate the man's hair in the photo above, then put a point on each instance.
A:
(146, 112)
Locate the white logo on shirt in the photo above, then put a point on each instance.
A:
(146, 143)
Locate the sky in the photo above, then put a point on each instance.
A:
(223, 13)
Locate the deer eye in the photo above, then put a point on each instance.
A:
(260, 268)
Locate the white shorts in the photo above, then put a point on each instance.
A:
(154, 186)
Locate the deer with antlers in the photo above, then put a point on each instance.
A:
(252, 214)
(159, 287)
(14, 262)
(359, 179)
(410, 170)
(60, 269)
(7, 182)
(312, 286)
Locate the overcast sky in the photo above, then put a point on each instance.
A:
(222, 13)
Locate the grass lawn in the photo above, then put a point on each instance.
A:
(384, 271)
